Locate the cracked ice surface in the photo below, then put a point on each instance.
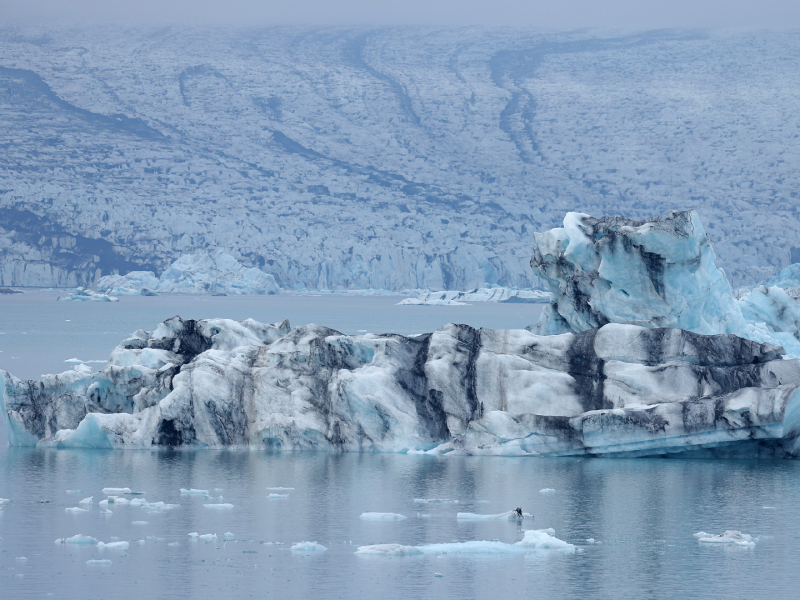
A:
(433, 157)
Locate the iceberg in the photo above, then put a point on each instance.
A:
(194, 492)
(729, 537)
(378, 516)
(484, 294)
(79, 539)
(511, 515)
(532, 541)
(616, 390)
(219, 506)
(98, 562)
(81, 294)
(113, 546)
(307, 547)
(656, 273)
(203, 273)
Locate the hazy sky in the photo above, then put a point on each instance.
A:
(558, 14)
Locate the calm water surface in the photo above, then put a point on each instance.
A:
(640, 512)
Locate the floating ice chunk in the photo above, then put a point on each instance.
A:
(174, 544)
(207, 537)
(77, 539)
(75, 510)
(590, 541)
(157, 507)
(113, 546)
(438, 575)
(193, 535)
(547, 491)
(99, 562)
(4, 501)
(484, 501)
(86, 500)
(377, 516)
(435, 501)
(278, 489)
(74, 492)
(194, 492)
(307, 547)
(229, 535)
(533, 540)
(511, 515)
(115, 500)
(277, 496)
(105, 511)
(219, 506)
(73, 360)
(729, 537)
(768, 507)
(218, 490)
(115, 491)
(138, 501)
(138, 522)
(21, 559)
(423, 516)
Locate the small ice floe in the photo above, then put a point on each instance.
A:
(532, 541)
(547, 491)
(75, 510)
(105, 511)
(21, 559)
(99, 562)
(74, 492)
(438, 575)
(73, 360)
(193, 535)
(219, 506)
(116, 491)
(729, 537)
(228, 535)
(113, 546)
(157, 507)
(138, 501)
(484, 501)
(512, 515)
(174, 544)
(277, 496)
(307, 547)
(87, 500)
(218, 490)
(590, 541)
(768, 507)
(423, 516)
(77, 539)
(139, 523)
(114, 500)
(379, 516)
(4, 501)
(207, 537)
(435, 501)
(279, 489)
(194, 492)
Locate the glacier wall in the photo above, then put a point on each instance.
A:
(617, 390)
(432, 154)
(659, 272)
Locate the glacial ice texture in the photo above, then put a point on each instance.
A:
(435, 162)
(620, 390)
(660, 272)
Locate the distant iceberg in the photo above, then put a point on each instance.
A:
(486, 294)
(202, 273)
(83, 295)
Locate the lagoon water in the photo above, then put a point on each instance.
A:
(641, 513)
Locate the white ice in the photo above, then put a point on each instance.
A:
(435, 501)
(76, 510)
(533, 540)
(307, 547)
(74, 492)
(547, 491)
(219, 506)
(113, 546)
(279, 489)
(278, 496)
(228, 535)
(138, 522)
(98, 562)
(379, 516)
(194, 492)
(116, 491)
(86, 500)
(207, 537)
(729, 537)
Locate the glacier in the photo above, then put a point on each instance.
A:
(434, 162)
(484, 294)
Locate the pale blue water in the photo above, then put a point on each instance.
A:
(642, 512)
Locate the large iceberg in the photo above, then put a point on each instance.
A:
(618, 390)
(484, 294)
(660, 272)
(202, 273)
